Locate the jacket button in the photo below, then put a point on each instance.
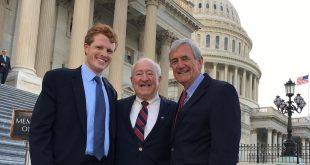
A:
(172, 149)
(140, 149)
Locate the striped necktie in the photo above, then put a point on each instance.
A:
(141, 121)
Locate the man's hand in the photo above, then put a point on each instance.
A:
(3, 64)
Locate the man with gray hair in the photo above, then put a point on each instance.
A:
(5, 66)
(208, 123)
(144, 121)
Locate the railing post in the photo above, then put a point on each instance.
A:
(257, 156)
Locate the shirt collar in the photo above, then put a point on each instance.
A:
(88, 73)
(190, 91)
(156, 97)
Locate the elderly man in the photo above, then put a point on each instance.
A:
(208, 126)
(144, 120)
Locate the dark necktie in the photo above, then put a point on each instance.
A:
(99, 121)
(180, 104)
(141, 121)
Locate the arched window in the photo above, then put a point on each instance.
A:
(239, 48)
(207, 5)
(225, 43)
(217, 42)
(214, 6)
(233, 46)
(199, 5)
(208, 41)
(222, 8)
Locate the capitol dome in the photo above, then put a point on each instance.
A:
(220, 10)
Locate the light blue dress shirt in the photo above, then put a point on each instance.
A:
(190, 91)
(90, 93)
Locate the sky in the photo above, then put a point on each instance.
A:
(280, 32)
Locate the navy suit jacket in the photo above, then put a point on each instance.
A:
(5, 69)
(208, 127)
(155, 150)
(59, 123)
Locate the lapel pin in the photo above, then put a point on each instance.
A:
(162, 117)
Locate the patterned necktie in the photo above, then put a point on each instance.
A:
(99, 121)
(141, 121)
(181, 103)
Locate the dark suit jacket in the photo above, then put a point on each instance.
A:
(7, 66)
(59, 123)
(208, 127)
(4, 70)
(155, 150)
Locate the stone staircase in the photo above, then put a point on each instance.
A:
(12, 152)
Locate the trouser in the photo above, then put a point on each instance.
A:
(1, 78)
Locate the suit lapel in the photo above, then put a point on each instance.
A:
(161, 118)
(127, 108)
(199, 92)
(79, 95)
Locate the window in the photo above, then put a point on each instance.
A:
(208, 41)
(222, 8)
(225, 43)
(199, 5)
(129, 55)
(214, 6)
(239, 48)
(198, 39)
(207, 5)
(217, 42)
(233, 46)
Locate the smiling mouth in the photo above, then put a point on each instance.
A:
(145, 85)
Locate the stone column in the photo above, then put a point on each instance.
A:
(166, 39)
(203, 68)
(250, 86)
(150, 28)
(214, 70)
(279, 139)
(279, 143)
(254, 136)
(23, 74)
(141, 23)
(226, 73)
(307, 148)
(303, 146)
(243, 85)
(274, 143)
(269, 137)
(255, 89)
(236, 80)
(119, 26)
(80, 25)
(47, 28)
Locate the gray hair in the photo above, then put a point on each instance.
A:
(195, 49)
(155, 65)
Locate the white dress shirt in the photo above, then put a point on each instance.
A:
(153, 110)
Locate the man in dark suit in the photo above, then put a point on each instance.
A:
(64, 120)
(5, 66)
(208, 125)
(144, 131)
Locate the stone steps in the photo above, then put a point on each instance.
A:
(12, 152)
